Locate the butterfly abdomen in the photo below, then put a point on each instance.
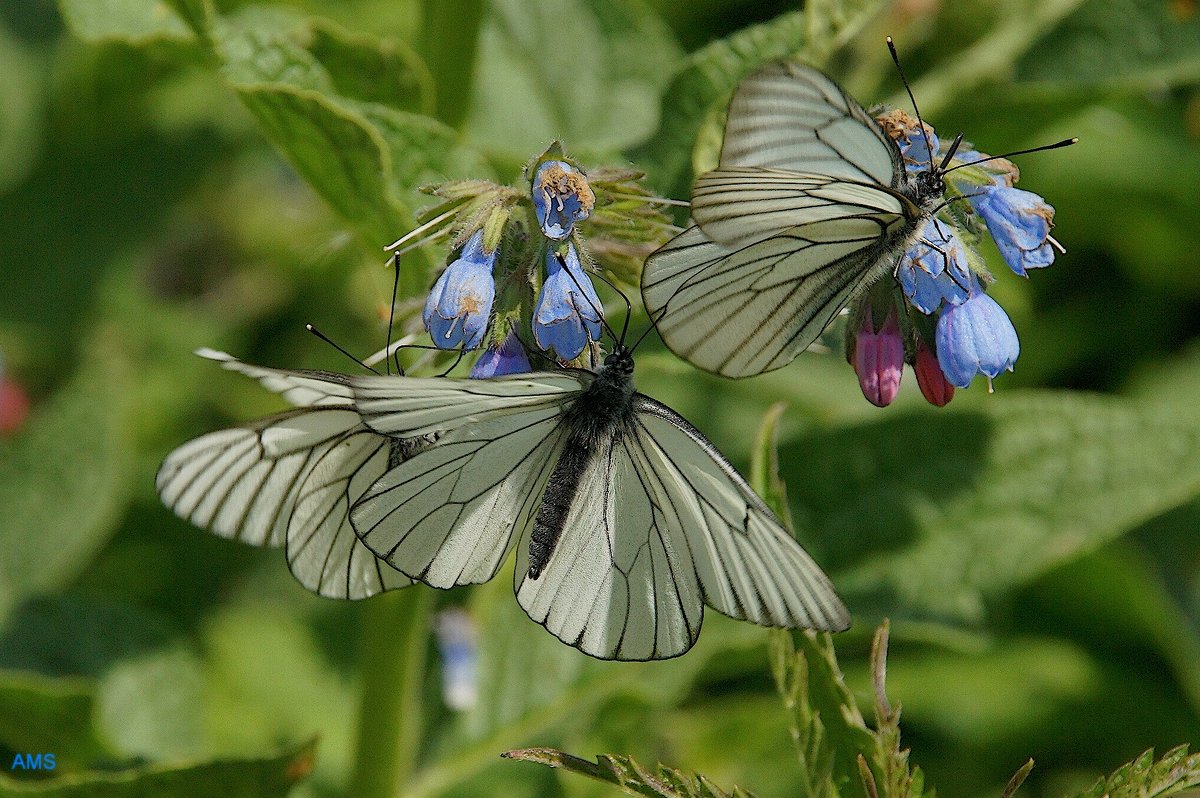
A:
(556, 504)
(592, 422)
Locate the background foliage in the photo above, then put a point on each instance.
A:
(174, 174)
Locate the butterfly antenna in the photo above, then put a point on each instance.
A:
(944, 203)
(332, 343)
(395, 355)
(924, 133)
(461, 354)
(628, 306)
(598, 311)
(1056, 145)
(950, 153)
(654, 320)
(392, 312)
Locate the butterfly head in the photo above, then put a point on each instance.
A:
(619, 360)
(928, 187)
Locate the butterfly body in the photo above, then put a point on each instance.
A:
(600, 414)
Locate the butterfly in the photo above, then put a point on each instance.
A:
(810, 204)
(625, 519)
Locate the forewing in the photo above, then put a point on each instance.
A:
(299, 387)
(742, 310)
(747, 565)
(615, 586)
(412, 406)
(741, 205)
(449, 515)
(791, 116)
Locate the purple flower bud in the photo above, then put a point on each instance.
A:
(975, 337)
(1020, 223)
(561, 197)
(458, 307)
(508, 358)
(567, 314)
(936, 389)
(930, 276)
(879, 360)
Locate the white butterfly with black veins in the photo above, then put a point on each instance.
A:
(626, 520)
(810, 204)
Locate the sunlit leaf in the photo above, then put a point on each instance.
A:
(1119, 43)
(134, 21)
(587, 73)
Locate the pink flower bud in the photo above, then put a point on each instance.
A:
(879, 360)
(936, 389)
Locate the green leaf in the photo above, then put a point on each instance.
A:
(954, 507)
(366, 158)
(198, 14)
(147, 685)
(701, 86)
(1126, 44)
(372, 70)
(587, 73)
(149, 704)
(269, 680)
(338, 151)
(1145, 778)
(629, 775)
(132, 21)
(66, 478)
(39, 713)
(230, 778)
(21, 97)
(806, 723)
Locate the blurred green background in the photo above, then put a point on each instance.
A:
(175, 176)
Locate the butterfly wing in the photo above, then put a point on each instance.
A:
(791, 116)
(802, 214)
(661, 525)
(450, 515)
(288, 480)
(322, 550)
(740, 310)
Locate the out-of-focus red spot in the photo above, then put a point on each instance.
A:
(1183, 10)
(14, 407)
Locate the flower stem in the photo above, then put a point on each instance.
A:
(393, 646)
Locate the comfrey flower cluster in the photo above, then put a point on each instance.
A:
(519, 279)
(935, 314)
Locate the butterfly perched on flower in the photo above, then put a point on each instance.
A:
(625, 519)
(814, 201)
